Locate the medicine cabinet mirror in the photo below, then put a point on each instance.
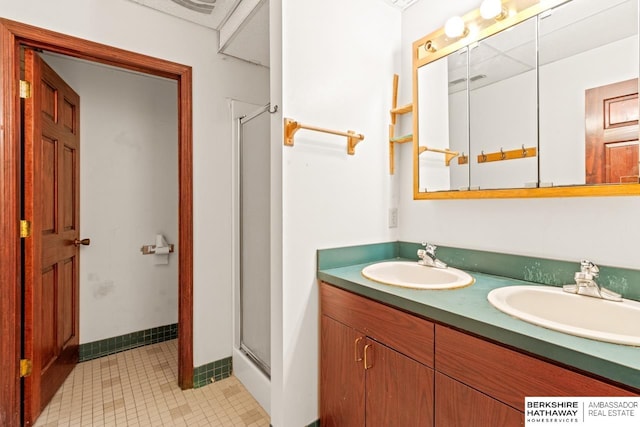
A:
(539, 101)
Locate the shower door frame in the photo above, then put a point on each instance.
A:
(260, 364)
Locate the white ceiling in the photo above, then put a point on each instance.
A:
(243, 24)
(209, 13)
(401, 4)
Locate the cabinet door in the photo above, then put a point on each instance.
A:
(341, 375)
(458, 405)
(399, 389)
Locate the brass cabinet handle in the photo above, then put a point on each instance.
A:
(357, 356)
(366, 363)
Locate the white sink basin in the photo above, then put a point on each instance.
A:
(583, 316)
(413, 275)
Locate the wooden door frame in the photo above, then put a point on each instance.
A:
(13, 35)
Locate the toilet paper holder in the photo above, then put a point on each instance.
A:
(151, 249)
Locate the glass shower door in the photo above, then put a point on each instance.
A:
(255, 293)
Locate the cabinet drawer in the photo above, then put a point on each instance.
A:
(508, 375)
(406, 333)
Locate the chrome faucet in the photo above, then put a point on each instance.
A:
(428, 256)
(586, 284)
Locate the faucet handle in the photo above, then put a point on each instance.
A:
(430, 248)
(589, 267)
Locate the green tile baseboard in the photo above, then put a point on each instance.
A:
(316, 423)
(218, 370)
(107, 346)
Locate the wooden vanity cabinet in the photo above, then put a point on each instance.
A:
(418, 373)
(367, 377)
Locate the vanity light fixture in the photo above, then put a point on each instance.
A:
(493, 9)
(455, 27)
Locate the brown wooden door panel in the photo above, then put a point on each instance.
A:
(49, 163)
(51, 258)
(68, 188)
(48, 309)
(341, 375)
(66, 298)
(399, 389)
(621, 162)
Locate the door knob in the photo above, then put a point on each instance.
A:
(84, 242)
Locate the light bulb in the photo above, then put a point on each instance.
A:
(454, 27)
(490, 9)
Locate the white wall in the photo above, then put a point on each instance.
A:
(128, 193)
(433, 99)
(504, 115)
(130, 26)
(601, 229)
(338, 61)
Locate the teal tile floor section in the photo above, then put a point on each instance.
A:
(217, 370)
(108, 346)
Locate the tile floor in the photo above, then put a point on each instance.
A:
(139, 388)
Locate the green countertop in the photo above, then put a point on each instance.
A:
(468, 309)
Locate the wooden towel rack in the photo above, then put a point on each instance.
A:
(448, 154)
(291, 127)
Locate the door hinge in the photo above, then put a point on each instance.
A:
(25, 89)
(25, 228)
(25, 367)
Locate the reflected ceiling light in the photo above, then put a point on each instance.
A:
(455, 27)
(492, 9)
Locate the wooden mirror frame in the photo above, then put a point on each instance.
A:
(437, 45)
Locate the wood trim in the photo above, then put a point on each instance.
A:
(10, 267)
(185, 232)
(567, 191)
(12, 36)
(40, 38)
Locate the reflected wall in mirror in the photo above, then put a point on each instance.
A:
(503, 107)
(443, 142)
(552, 88)
(589, 93)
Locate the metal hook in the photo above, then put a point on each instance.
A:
(524, 151)
(484, 156)
(274, 110)
(503, 155)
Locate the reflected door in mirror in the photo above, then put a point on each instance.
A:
(611, 126)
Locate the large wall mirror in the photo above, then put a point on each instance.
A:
(540, 100)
